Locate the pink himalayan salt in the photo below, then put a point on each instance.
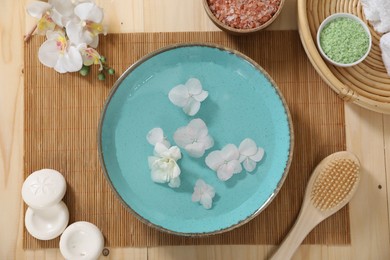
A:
(243, 14)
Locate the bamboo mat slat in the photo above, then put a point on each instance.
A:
(62, 115)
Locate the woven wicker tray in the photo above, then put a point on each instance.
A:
(366, 84)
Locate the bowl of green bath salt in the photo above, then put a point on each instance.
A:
(344, 39)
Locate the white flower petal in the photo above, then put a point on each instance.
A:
(214, 160)
(175, 171)
(174, 153)
(166, 143)
(258, 156)
(195, 150)
(78, 34)
(163, 168)
(158, 175)
(249, 165)
(194, 138)
(248, 147)
(37, 8)
(194, 86)
(87, 36)
(230, 152)
(224, 172)
(235, 166)
(96, 15)
(57, 18)
(207, 141)
(61, 65)
(206, 201)
(95, 41)
(63, 7)
(48, 53)
(154, 136)
(198, 127)
(201, 96)
(160, 149)
(196, 196)
(182, 137)
(210, 190)
(199, 184)
(192, 107)
(175, 182)
(52, 55)
(152, 160)
(74, 32)
(53, 35)
(179, 95)
(73, 60)
(203, 193)
(89, 12)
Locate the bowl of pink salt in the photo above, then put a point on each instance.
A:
(242, 16)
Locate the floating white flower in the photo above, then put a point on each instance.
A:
(225, 162)
(250, 154)
(188, 96)
(163, 165)
(86, 25)
(156, 135)
(203, 193)
(194, 138)
(56, 52)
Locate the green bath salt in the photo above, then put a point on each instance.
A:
(344, 40)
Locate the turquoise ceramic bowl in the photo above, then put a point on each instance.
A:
(243, 102)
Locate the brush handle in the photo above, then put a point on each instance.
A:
(308, 218)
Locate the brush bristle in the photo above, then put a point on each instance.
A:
(334, 183)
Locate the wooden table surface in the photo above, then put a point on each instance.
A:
(368, 135)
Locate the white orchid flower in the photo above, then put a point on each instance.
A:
(188, 96)
(46, 15)
(250, 154)
(51, 14)
(156, 135)
(86, 25)
(90, 56)
(194, 138)
(56, 52)
(163, 165)
(203, 193)
(225, 162)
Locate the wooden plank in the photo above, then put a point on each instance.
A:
(208, 252)
(369, 214)
(11, 130)
(385, 187)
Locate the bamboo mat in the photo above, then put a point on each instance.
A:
(61, 120)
